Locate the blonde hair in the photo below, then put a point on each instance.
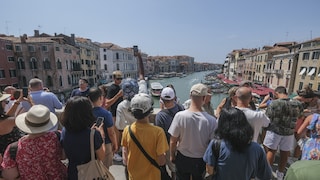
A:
(232, 91)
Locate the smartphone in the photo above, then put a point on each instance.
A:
(270, 95)
(99, 121)
(25, 91)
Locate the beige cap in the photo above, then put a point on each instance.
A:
(199, 90)
(117, 74)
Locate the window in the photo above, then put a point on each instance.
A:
(305, 56)
(59, 64)
(49, 81)
(11, 59)
(20, 64)
(118, 67)
(289, 66)
(18, 48)
(31, 48)
(82, 61)
(2, 74)
(9, 47)
(12, 73)
(280, 64)
(315, 55)
(105, 67)
(57, 48)
(105, 57)
(33, 63)
(69, 80)
(44, 48)
(60, 80)
(117, 55)
(46, 63)
(67, 65)
(104, 50)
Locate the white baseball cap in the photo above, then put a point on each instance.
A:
(167, 93)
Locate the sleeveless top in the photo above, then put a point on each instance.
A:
(9, 138)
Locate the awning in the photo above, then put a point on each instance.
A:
(313, 70)
(319, 75)
(302, 71)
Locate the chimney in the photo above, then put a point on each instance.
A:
(73, 40)
(23, 38)
(36, 33)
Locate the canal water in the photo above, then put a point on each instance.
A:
(183, 86)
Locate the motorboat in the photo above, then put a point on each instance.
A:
(156, 89)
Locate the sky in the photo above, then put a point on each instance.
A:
(204, 29)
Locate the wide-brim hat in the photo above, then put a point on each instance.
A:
(37, 120)
(4, 96)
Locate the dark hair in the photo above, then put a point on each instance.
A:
(85, 80)
(137, 113)
(233, 127)
(281, 90)
(94, 94)
(104, 89)
(2, 113)
(307, 92)
(77, 114)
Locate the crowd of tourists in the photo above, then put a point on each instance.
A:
(186, 140)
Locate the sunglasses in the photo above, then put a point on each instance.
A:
(118, 78)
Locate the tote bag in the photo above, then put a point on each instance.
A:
(94, 169)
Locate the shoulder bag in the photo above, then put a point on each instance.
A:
(164, 173)
(94, 169)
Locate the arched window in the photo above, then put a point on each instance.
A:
(289, 65)
(20, 63)
(67, 65)
(33, 63)
(59, 64)
(69, 80)
(280, 65)
(46, 63)
(49, 81)
(60, 80)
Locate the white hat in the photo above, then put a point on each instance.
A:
(4, 96)
(37, 120)
(199, 90)
(141, 102)
(167, 93)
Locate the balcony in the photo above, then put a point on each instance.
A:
(267, 71)
(288, 72)
(278, 72)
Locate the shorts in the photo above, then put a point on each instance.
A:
(108, 155)
(274, 141)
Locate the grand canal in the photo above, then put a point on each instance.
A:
(183, 85)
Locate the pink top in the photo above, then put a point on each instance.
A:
(38, 158)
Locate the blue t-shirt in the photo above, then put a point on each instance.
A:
(77, 92)
(107, 120)
(241, 166)
(164, 119)
(77, 148)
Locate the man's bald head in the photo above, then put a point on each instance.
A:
(244, 94)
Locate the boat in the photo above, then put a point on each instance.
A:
(156, 89)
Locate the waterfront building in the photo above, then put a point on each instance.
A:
(90, 60)
(8, 72)
(308, 68)
(50, 58)
(114, 57)
(249, 65)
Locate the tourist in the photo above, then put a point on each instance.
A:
(151, 138)
(104, 89)
(39, 96)
(228, 102)
(177, 100)
(8, 131)
(75, 139)
(256, 119)
(9, 90)
(191, 130)
(303, 170)
(233, 155)
(110, 139)
(311, 145)
(164, 119)
(38, 154)
(114, 97)
(207, 103)
(283, 114)
(83, 89)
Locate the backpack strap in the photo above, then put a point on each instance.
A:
(216, 151)
(13, 150)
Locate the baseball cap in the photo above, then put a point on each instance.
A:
(167, 93)
(130, 88)
(199, 90)
(141, 102)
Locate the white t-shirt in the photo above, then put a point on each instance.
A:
(257, 120)
(123, 116)
(195, 130)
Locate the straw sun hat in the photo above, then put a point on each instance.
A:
(37, 120)
(4, 96)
